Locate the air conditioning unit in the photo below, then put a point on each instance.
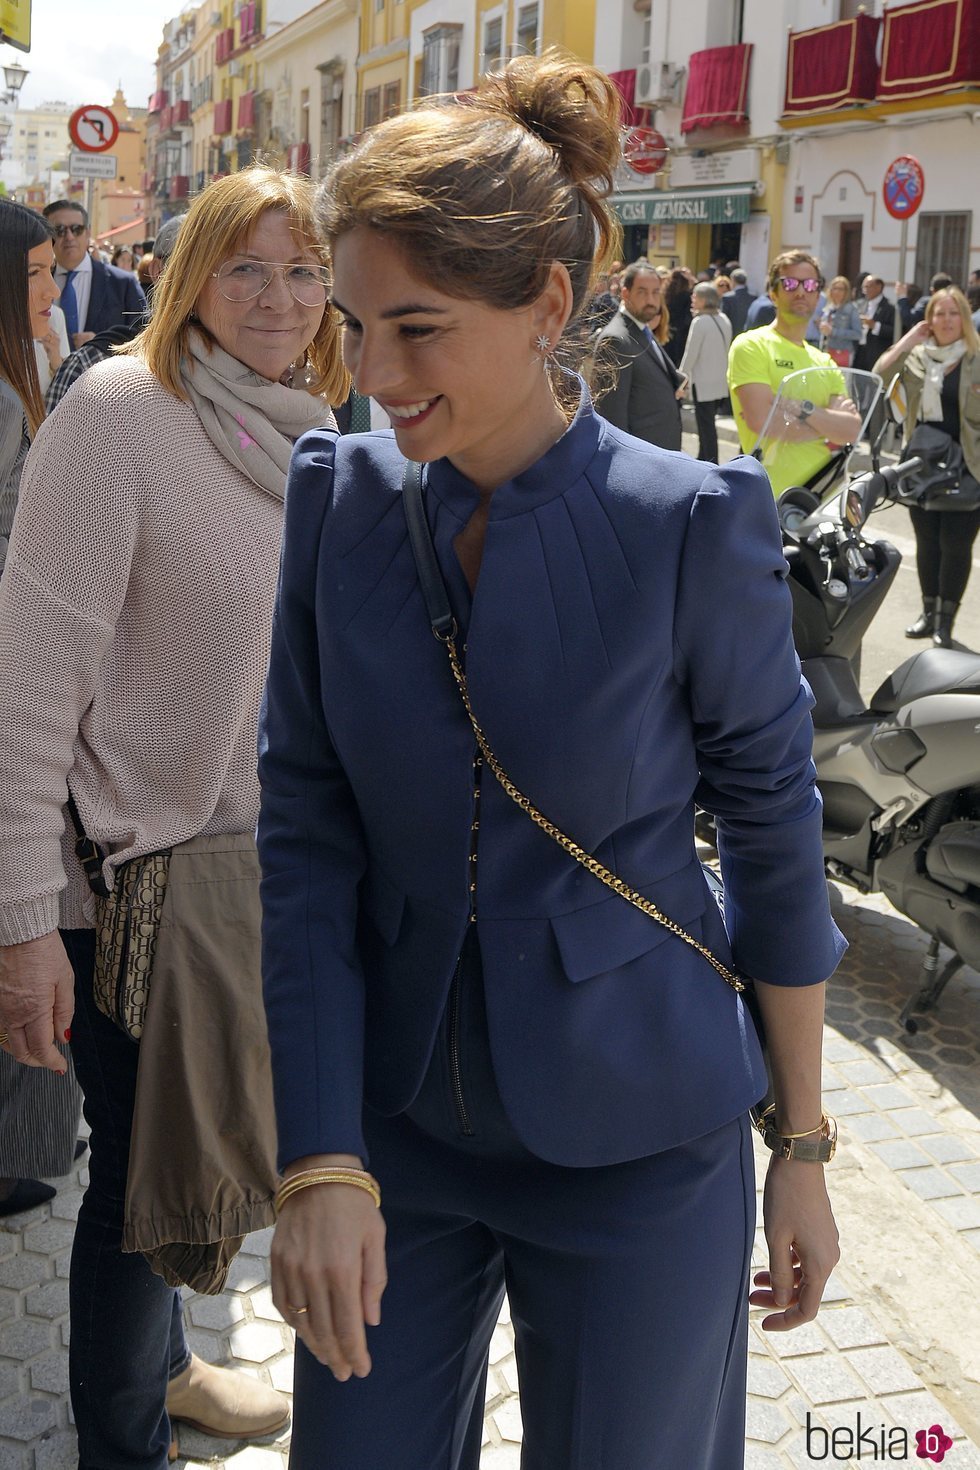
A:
(234, 68)
(656, 83)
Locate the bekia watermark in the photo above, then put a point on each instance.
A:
(874, 1442)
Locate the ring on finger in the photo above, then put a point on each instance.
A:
(296, 1311)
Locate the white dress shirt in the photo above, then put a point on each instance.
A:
(655, 346)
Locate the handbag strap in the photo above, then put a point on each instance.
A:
(89, 853)
(444, 628)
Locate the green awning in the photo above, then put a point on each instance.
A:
(679, 206)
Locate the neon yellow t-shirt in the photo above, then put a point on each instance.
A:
(766, 356)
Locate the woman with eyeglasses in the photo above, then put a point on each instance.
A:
(38, 1112)
(143, 560)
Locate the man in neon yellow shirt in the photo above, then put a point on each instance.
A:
(798, 446)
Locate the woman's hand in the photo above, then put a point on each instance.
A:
(37, 1000)
(52, 348)
(328, 1256)
(803, 1244)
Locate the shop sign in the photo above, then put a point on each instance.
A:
(699, 209)
(738, 166)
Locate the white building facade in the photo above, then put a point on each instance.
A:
(781, 118)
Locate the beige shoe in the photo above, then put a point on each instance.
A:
(224, 1403)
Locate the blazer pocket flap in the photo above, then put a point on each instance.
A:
(609, 934)
(384, 905)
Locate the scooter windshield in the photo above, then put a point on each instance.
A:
(816, 419)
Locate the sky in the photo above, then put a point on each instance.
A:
(81, 53)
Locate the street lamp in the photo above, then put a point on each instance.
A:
(14, 77)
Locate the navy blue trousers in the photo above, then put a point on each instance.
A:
(627, 1287)
(127, 1330)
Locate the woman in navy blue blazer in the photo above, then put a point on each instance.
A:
(548, 1090)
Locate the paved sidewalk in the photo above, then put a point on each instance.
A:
(897, 1341)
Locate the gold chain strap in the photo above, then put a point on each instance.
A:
(645, 905)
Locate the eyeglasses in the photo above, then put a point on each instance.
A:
(792, 283)
(244, 280)
(60, 231)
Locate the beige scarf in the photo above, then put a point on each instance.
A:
(938, 362)
(250, 420)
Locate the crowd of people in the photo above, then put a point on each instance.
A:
(670, 336)
(473, 1055)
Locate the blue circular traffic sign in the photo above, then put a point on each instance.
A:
(904, 186)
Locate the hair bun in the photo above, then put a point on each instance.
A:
(572, 107)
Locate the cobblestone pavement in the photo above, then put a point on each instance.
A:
(897, 1341)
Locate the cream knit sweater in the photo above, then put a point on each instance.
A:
(135, 622)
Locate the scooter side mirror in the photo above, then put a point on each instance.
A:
(859, 498)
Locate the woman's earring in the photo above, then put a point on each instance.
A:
(542, 346)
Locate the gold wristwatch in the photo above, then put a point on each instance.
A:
(817, 1147)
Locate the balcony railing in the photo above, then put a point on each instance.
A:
(222, 118)
(930, 57)
(927, 49)
(717, 88)
(832, 66)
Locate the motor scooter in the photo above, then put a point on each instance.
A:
(900, 775)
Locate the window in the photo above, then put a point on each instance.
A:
(527, 30)
(440, 59)
(372, 107)
(391, 100)
(493, 43)
(850, 9)
(645, 41)
(943, 245)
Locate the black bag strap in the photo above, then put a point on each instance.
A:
(430, 577)
(444, 627)
(89, 853)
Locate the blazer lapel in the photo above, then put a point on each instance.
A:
(96, 297)
(656, 354)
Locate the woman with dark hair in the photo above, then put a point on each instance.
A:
(677, 299)
(39, 1113)
(27, 293)
(548, 1088)
(123, 258)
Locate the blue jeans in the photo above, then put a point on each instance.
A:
(127, 1332)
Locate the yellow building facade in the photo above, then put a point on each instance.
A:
(417, 48)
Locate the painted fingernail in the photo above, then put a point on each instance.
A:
(64, 1073)
(68, 1034)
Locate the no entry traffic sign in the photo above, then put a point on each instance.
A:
(904, 186)
(93, 129)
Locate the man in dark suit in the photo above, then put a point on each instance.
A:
(94, 296)
(644, 400)
(736, 302)
(878, 321)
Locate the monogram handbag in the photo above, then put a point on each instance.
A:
(127, 925)
(444, 628)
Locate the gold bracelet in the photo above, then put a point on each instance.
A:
(359, 1178)
(819, 1129)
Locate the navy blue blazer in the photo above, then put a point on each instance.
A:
(629, 651)
(116, 299)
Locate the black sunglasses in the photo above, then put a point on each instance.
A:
(60, 231)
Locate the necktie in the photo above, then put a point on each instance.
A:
(648, 335)
(69, 305)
